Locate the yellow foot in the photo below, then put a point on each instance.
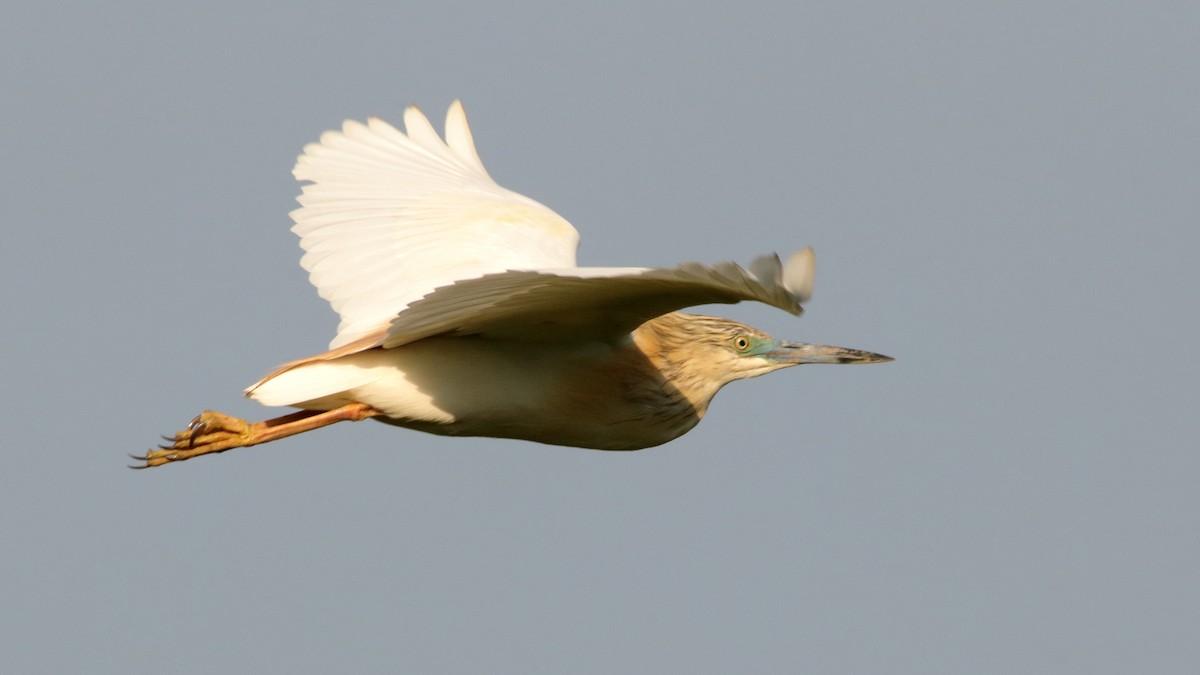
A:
(213, 432)
(209, 432)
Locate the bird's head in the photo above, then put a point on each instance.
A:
(701, 354)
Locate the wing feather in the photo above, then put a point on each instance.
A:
(595, 303)
(405, 222)
(458, 137)
(389, 216)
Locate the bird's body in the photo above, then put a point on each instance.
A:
(589, 394)
(463, 312)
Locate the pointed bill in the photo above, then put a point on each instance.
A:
(798, 352)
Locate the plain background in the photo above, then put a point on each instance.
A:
(1003, 196)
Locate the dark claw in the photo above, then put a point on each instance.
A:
(197, 427)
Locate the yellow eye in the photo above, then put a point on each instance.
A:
(741, 343)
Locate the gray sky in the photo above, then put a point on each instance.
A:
(1004, 199)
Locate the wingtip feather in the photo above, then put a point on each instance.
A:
(798, 273)
(459, 138)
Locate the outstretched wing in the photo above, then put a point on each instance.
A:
(595, 303)
(391, 216)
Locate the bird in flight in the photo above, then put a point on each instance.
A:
(463, 312)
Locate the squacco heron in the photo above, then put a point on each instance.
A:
(463, 312)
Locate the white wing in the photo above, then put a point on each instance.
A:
(389, 217)
(595, 303)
